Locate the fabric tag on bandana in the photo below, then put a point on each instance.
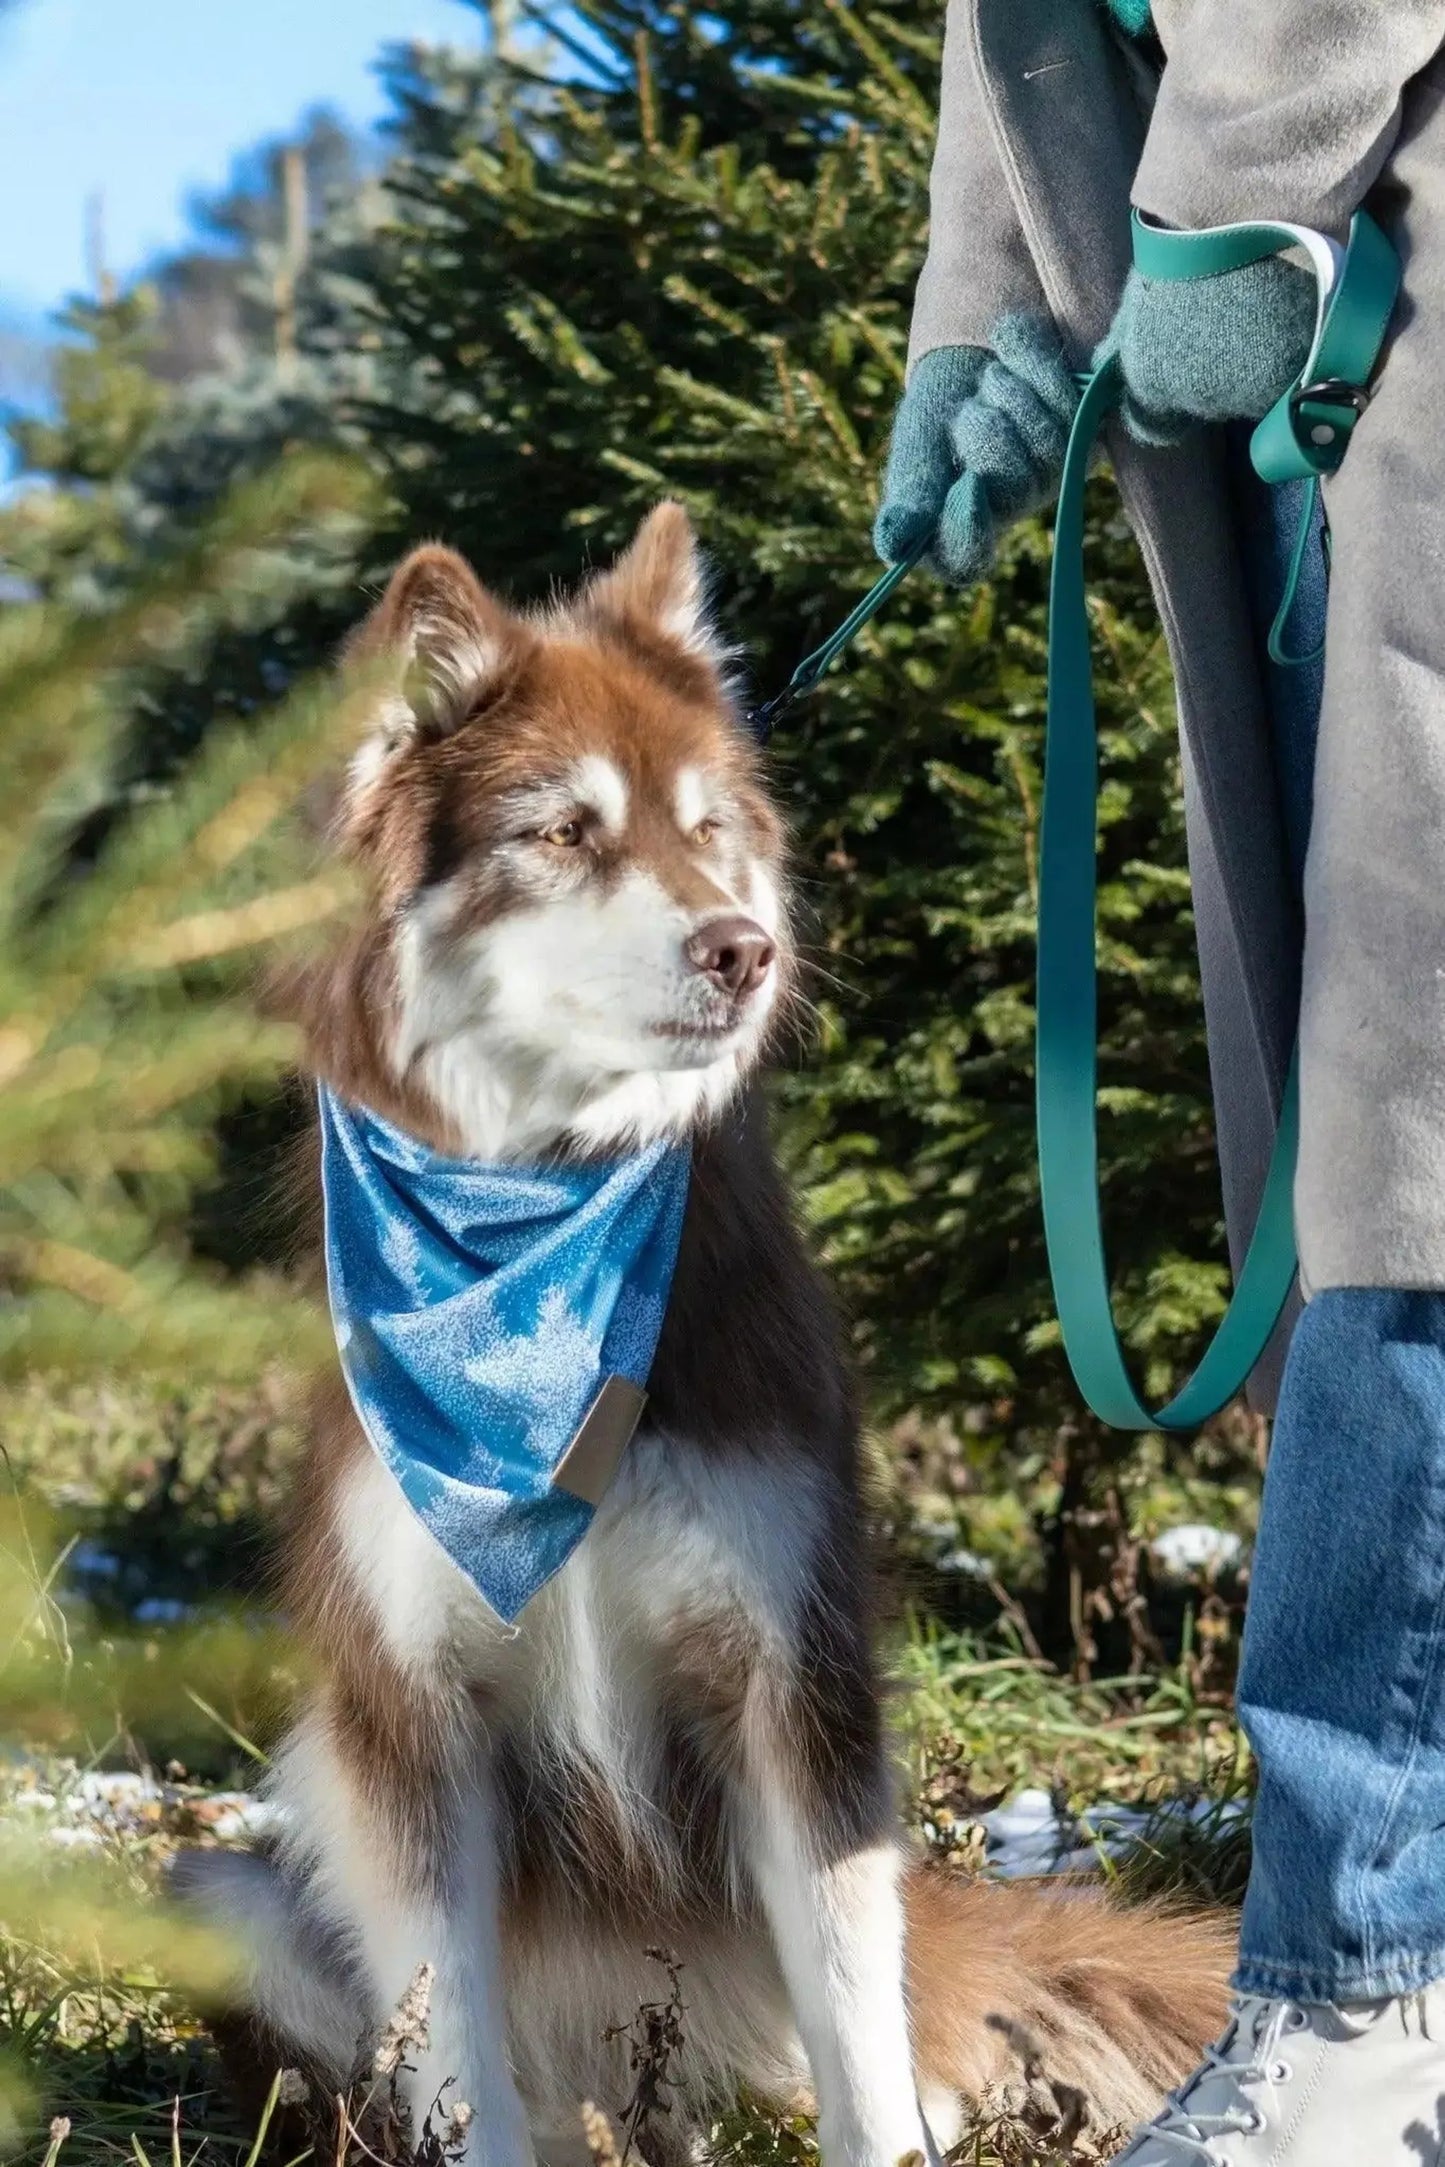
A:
(496, 1326)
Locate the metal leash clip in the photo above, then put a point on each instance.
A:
(762, 719)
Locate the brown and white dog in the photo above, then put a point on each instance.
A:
(578, 939)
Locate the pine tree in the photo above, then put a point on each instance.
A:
(633, 249)
(126, 1027)
(169, 396)
(123, 1028)
(222, 299)
(69, 540)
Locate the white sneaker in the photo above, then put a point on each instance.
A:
(1295, 2084)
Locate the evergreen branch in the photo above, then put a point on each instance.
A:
(916, 110)
(646, 92)
(74, 1271)
(210, 933)
(712, 399)
(171, 848)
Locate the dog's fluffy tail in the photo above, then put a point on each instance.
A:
(1021, 1990)
(301, 2004)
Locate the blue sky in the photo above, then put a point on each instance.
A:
(147, 100)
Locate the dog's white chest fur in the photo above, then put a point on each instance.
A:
(682, 1541)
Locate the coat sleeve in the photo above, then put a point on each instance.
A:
(1280, 108)
(978, 266)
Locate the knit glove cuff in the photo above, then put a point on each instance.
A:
(978, 441)
(1209, 349)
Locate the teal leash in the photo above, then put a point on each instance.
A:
(1066, 1063)
(1303, 437)
(1306, 433)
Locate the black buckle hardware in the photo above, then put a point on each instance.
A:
(1330, 391)
(763, 719)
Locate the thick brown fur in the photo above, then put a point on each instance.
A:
(1110, 2000)
(577, 938)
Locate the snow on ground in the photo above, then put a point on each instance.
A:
(85, 1808)
(1193, 1547)
(1027, 1835)
(1196, 1547)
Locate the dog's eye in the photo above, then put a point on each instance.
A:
(704, 832)
(563, 834)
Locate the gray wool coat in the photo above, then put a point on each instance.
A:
(1049, 126)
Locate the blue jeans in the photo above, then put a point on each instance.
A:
(1342, 1687)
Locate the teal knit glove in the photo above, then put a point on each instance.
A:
(978, 441)
(1209, 349)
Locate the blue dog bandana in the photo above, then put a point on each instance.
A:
(496, 1327)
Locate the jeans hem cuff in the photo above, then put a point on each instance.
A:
(1403, 1973)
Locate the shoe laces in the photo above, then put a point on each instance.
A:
(1215, 2102)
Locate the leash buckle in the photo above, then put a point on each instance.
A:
(1332, 391)
(1324, 438)
(763, 719)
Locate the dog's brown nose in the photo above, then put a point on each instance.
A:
(734, 953)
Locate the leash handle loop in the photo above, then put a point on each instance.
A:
(1303, 436)
(1066, 1074)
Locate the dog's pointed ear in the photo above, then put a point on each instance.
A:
(660, 582)
(451, 641)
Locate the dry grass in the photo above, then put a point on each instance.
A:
(104, 2056)
(129, 2066)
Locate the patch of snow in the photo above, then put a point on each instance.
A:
(1196, 1547)
(115, 1787)
(84, 1807)
(75, 1839)
(1028, 1836)
(964, 1561)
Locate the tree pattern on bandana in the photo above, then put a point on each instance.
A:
(477, 1311)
